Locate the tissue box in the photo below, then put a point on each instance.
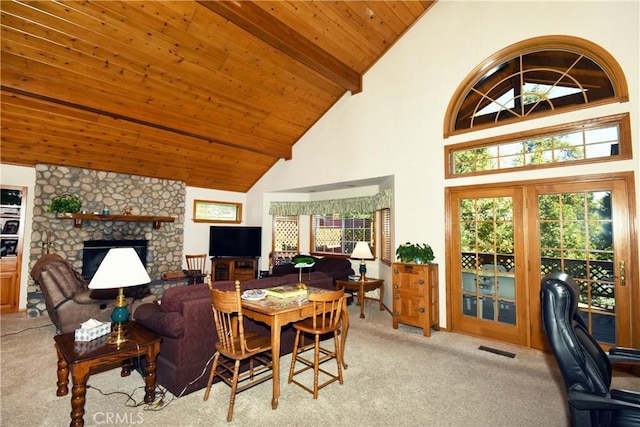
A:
(85, 347)
(89, 334)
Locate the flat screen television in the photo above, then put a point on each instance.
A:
(235, 241)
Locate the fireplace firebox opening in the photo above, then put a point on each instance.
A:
(94, 252)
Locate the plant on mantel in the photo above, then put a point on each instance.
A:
(418, 253)
(65, 204)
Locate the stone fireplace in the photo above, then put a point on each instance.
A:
(116, 192)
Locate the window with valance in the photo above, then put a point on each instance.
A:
(338, 224)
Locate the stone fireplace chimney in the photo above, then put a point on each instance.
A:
(116, 192)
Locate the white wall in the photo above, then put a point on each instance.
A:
(196, 234)
(395, 126)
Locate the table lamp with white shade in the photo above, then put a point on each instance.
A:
(120, 268)
(362, 252)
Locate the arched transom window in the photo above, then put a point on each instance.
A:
(539, 76)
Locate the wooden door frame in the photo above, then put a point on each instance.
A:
(632, 265)
(4, 262)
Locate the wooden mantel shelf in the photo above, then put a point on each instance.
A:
(79, 217)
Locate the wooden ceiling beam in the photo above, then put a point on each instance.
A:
(256, 21)
(35, 147)
(284, 153)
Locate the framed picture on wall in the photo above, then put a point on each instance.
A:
(213, 211)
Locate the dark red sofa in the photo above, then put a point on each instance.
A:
(336, 268)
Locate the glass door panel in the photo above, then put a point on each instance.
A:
(486, 293)
(583, 230)
(576, 237)
(487, 277)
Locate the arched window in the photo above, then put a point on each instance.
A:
(539, 76)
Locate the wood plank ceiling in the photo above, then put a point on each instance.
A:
(209, 93)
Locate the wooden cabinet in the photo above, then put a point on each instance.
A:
(415, 296)
(241, 269)
(8, 284)
(12, 217)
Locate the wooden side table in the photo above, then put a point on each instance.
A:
(359, 286)
(86, 358)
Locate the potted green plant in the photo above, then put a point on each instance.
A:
(64, 204)
(418, 253)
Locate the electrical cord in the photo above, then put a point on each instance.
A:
(158, 403)
(199, 376)
(24, 330)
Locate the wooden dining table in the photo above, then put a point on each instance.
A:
(277, 312)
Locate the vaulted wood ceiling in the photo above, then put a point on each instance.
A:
(209, 93)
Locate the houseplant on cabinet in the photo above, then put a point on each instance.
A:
(418, 253)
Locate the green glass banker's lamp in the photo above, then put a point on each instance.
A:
(120, 268)
(300, 264)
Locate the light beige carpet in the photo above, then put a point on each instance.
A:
(395, 378)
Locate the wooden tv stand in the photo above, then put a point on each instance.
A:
(241, 269)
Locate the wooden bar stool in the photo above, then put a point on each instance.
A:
(327, 314)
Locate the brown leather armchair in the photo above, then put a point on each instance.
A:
(68, 299)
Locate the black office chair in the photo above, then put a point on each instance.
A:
(585, 367)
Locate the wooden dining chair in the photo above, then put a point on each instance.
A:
(327, 315)
(196, 267)
(235, 346)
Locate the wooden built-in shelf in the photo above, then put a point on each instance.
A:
(79, 217)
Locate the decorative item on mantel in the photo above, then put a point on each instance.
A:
(65, 204)
(127, 211)
(419, 253)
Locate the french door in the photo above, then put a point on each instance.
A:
(488, 242)
(505, 239)
(584, 230)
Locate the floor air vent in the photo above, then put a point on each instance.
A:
(496, 351)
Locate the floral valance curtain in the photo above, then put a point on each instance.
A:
(379, 201)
